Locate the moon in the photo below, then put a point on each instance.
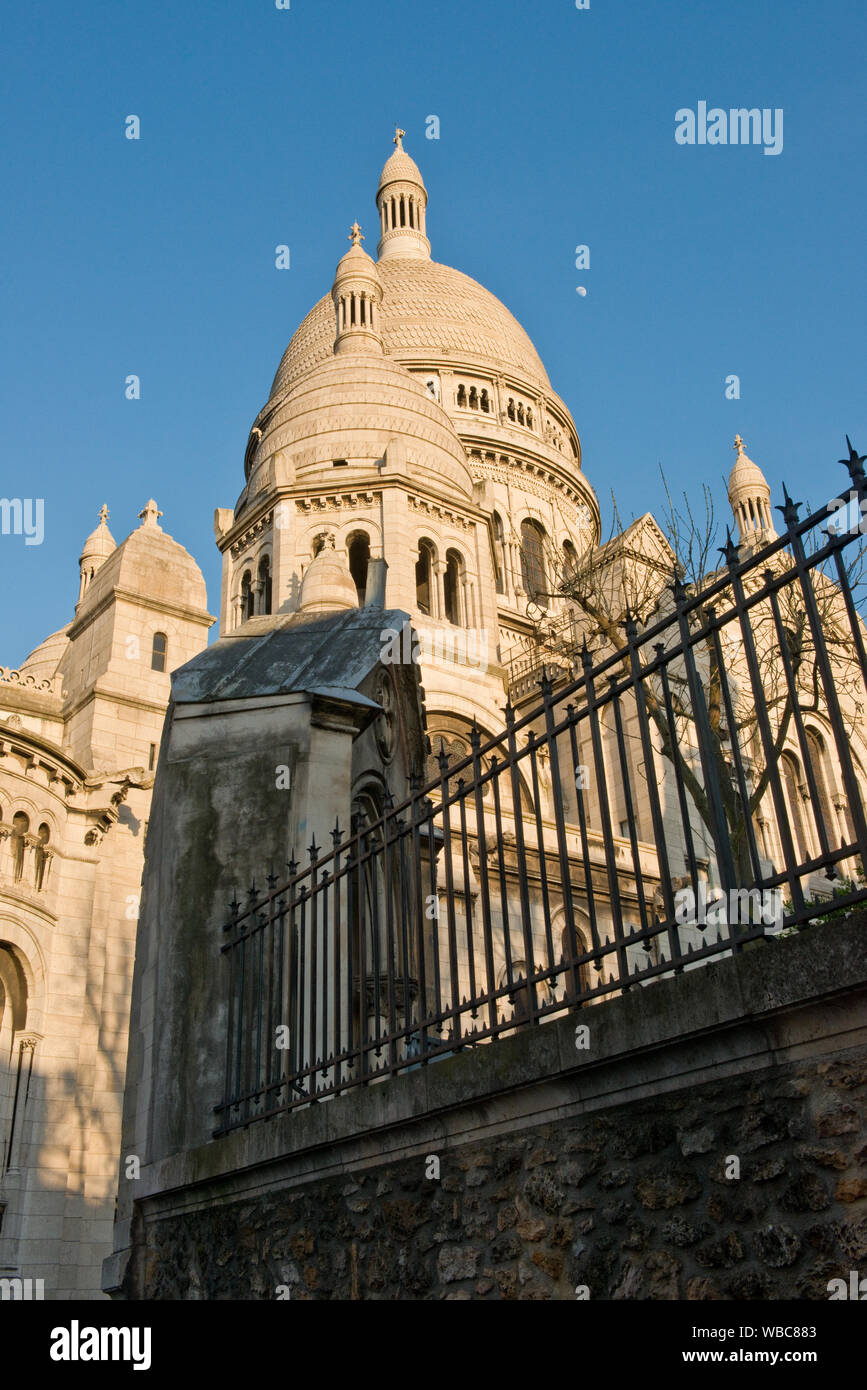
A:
(581, 290)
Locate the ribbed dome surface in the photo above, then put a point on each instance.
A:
(44, 660)
(99, 544)
(431, 312)
(746, 474)
(400, 166)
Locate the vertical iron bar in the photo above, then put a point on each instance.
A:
(543, 866)
(521, 852)
(627, 801)
(765, 733)
(718, 824)
(605, 813)
(639, 677)
(484, 884)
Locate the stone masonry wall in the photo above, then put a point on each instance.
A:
(632, 1203)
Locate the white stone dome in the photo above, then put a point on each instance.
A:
(44, 660)
(353, 406)
(400, 168)
(430, 313)
(746, 476)
(100, 543)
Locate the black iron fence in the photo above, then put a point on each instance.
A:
(687, 795)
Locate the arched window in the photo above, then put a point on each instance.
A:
(485, 402)
(520, 414)
(499, 553)
(474, 398)
(20, 827)
(424, 578)
(791, 769)
(159, 651)
(252, 446)
(265, 584)
(452, 587)
(570, 560)
(580, 949)
(529, 418)
(462, 395)
(44, 834)
(247, 597)
(510, 408)
(533, 562)
(359, 559)
(13, 1061)
(818, 762)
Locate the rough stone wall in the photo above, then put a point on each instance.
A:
(631, 1202)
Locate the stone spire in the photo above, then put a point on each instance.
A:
(357, 296)
(750, 499)
(150, 514)
(96, 550)
(402, 202)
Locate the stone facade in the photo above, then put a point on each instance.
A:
(413, 465)
(80, 724)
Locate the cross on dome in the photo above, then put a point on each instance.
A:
(103, 513)
(398, 137)
(739, 445)
(355, 235)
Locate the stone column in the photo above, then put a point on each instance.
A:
(438, 601)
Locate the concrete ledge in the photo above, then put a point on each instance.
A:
(781, 1001)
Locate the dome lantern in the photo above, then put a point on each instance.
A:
(95, 551)
(357, 295)
(401, 200)
(750, 499)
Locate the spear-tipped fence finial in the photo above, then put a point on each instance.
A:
(855, 465)
(788, 509)
(729, 550)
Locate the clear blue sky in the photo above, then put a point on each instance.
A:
(262, 127)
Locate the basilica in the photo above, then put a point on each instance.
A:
(396, 575)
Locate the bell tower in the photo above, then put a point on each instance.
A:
(402, 203)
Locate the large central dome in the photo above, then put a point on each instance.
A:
(430, 312)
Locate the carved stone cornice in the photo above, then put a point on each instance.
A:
(440, 511)
(25, 681)
(337, 501)
(36, 752)
(533, 477)
(252, 533)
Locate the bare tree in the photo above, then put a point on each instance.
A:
(637, 576)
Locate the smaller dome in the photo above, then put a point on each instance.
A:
(100, 543)
(746, 475)
(44, 660)
(400, 168)
(356, 261)
(327, 586)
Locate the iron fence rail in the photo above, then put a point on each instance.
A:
(500, 894)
